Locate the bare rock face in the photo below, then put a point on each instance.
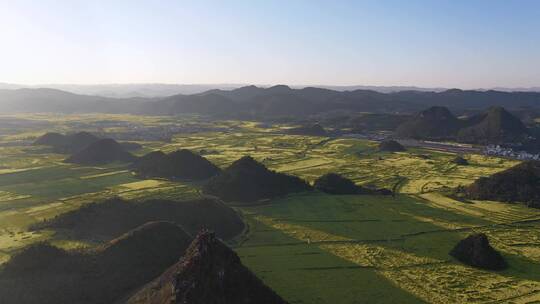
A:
(476, 251)
(209, 273)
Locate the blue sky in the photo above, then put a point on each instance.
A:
(437, 43)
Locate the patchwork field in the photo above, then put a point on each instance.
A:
(310, 248)
(390, 250)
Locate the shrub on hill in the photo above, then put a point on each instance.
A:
(520, 183)
(333, 183)
(182, 164)
(391, 146)
(102, 151)
(111, 218)
(459, 160)
(209, 273)
(43, 274)
(247, 180)
(476, 251)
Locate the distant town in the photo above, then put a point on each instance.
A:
(497, 150)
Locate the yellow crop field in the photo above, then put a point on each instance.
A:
(352, 246)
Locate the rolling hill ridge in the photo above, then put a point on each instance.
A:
(256, 102)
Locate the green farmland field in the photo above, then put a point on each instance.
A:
(386, 250)
(311, 247)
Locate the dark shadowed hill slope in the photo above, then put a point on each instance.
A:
(141, 254)
(520, 183)
(50, 139)
(333, 183)
(209, 273)
(70, 143)
(247, 180)
(102, 151)
(111, 218)
(43, 274)
(495, 126)
(33, 257)
(433, 123)
(182, 164)
(476, 251)
(391, 146)
(313, 130)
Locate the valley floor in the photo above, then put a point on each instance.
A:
(320, 248)
(310, 248)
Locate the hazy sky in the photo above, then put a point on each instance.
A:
(454, 43)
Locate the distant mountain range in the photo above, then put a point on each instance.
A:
(257, 102)
(148, 90)
(282, 101)
(58, 101)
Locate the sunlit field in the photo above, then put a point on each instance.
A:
(396, 247)
(310, 248)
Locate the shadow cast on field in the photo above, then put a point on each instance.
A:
(303, 272)
(417, 236)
